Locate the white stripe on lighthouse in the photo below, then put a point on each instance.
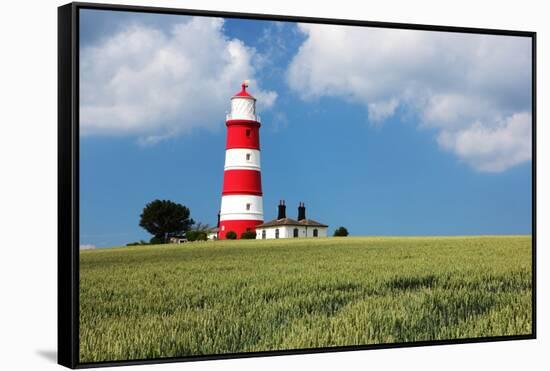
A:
(242, 159)
(243, 109)
(241, 207)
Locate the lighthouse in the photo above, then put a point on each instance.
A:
(242, 206)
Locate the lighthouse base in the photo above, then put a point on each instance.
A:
(237, 226)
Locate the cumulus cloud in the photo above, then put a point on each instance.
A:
(492, 148)
(153, 84)
(466, 87)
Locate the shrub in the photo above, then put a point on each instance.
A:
(341, 232)
(196, 236)
(156, 240)
(248, 235)
(231, 235)
(141, 242)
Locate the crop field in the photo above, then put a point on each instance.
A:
(261, 295)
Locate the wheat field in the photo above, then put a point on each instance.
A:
(264, 295)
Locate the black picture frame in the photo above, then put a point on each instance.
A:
(68, 178)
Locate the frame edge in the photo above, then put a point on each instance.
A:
(68, 229)
(67, 251)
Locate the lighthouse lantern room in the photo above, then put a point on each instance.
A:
(241, 207)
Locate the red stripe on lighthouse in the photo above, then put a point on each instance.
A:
(247, 182)
(243, 134)
(238, 226)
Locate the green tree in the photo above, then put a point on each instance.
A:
(231, 235)
(248, 235)
(341, 232)
(164, 219)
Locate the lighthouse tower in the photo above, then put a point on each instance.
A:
(242, 206)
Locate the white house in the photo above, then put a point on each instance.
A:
(284, 227)
(213, 234)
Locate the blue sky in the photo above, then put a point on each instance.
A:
(384, 132)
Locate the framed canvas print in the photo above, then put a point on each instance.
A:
(236, 185)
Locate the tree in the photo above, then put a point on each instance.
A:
(164, 219)
(248, 235)
(341, 232)
(231, 235)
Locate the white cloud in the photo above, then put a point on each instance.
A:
(87, 247)
(154, 85)
(463, 86)
(379, 111)
(492, 148)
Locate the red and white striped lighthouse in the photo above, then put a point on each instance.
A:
(242, 205)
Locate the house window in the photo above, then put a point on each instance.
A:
(247, 207)
(248, 157)
(247, 132)
(263, 234)
(295, 232)
(277, 233)
(315, 233)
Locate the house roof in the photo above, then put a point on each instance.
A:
(291, 222)
(312, 223)
(278, 222)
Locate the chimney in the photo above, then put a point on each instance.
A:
(282, 210)
(301, 211)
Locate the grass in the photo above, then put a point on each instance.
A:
(243, 296)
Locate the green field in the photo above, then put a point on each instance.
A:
(242, 296)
